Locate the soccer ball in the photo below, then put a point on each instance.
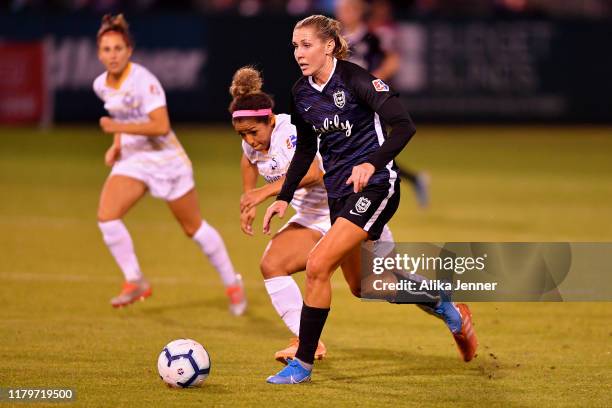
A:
(183, 363)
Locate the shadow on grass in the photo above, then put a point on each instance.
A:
(267, 325)
(392, 374)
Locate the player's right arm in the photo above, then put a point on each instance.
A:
(258, 195)
(114, 152)
(158, 124)
(249, 182)
(305, 153)
(153, 104)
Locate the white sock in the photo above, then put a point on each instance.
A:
(119, 242)
(287, 300)
(211, 243)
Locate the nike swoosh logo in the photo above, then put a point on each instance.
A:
(354, 213)
(308, 108)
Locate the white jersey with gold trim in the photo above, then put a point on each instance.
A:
(274, 164)
(139, 94)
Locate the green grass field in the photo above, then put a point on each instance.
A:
(488, 184)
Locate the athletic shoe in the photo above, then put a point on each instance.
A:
(449, 312)
(466, 339)
(293, 373)
(421, 189)
(236, 297)
(458, 318)
(131, 292)
(288, 353)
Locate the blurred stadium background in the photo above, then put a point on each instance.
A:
(512, 101)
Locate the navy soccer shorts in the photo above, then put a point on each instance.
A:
(371, 209)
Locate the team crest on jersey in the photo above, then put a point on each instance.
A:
(362, 205)
(291, 141)
(273, 164)
(380, 86)
(339, 98)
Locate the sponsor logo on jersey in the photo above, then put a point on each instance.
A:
(130, 101)
(272, 179)
(362, 205)
(131, 108)
(380, 86)
(334, 125)
(339, 98)
(154, 89)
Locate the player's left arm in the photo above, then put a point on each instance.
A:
(393, 113)
(386, 103)
(158, 124)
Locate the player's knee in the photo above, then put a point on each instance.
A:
(317, 268)
(271, 267)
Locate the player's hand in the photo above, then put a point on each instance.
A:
(252, 198)
(112, 155)
(278, 207)
(360, 176)
(108, 125)
(246, 220)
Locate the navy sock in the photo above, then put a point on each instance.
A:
(312, 321)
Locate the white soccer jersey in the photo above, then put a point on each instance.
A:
(139, 94)
(274, 164)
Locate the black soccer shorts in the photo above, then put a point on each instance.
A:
(369, 209)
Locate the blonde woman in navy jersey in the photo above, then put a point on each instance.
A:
(339, 110)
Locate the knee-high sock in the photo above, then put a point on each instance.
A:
(211, 243)
(119, 242)
(287, 300)
(311, 326)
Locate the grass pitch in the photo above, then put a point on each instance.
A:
(488, 184)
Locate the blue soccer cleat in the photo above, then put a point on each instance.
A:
(293, 373)
(450, 314)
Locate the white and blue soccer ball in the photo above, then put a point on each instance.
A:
(183, 363)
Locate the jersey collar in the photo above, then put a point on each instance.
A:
(124, 76)
(320, 87)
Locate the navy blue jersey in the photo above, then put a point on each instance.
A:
(342, 115)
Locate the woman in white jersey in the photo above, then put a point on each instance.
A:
(146, 156)
(268, 144)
